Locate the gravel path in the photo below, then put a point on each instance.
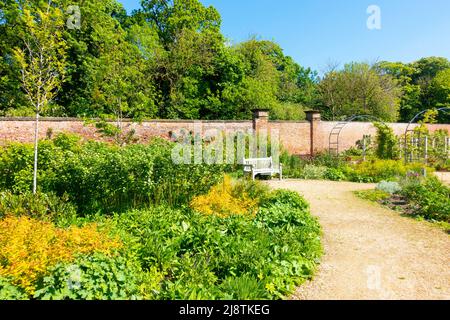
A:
(443, 176)
(372, 252)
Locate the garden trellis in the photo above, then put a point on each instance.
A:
(420, 145)
(335, 133)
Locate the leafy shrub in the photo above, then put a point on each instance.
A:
(430, 198)
(326, 160)
(443, 165)
(335, 174)
(245, 287)
(41, 206)
(294, 166)
(352, 152)
(373, 195)
(313, 172)
(223, 201)
(94, 277)
(389, 187)
(201, 255)
(386, 141)
(8, 291)
(254, 189)
(30, 246)
(98, 177)
(379, 170)
(286, 198)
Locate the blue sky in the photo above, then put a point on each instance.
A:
(318, 32)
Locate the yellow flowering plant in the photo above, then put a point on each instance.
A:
(29, 247)
(222, 201)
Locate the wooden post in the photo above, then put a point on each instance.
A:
(426, 149)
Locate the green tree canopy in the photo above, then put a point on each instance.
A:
(169, 59)
(360, 89)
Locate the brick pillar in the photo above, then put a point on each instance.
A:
(314, 119)
(260, 119)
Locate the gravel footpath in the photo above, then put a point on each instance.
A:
(371, 252)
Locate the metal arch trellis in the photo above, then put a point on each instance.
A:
(409, 130)
(335, 133)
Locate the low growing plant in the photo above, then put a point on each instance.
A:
(430, 198)
(93, 277)
(390, 187)
(223, 200)
(233, 257)
(312, 172)
(30, 247)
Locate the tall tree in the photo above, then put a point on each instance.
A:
(418, 84)
(360, 89)
(190, 35)
(41, 59)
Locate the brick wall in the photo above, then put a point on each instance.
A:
(295, 136)
(356, 130)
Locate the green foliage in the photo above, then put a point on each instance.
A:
(254, 189)
(166, 60)
(245, 287)
(294, 166)
(98, 177)
(95, 277)
(440, 88)
(386, 141)
(430, 198)
(8, 291)
(168, 253)
(422, 139)
(379, 170)
(423, 83)
(359, 89)
(40, 206)
(312, 172)
(373, 195)
(41, 56)
(207, 257)
(335, 174)
(288, 198)
(390, 187)
(287, 111)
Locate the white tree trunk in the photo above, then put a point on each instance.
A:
(36, 141)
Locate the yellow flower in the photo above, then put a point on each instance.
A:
(29, 247)
(270, 287)
(220, 201)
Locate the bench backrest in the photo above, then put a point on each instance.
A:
(259, 163)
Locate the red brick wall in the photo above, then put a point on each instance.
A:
(22, 130)
(356, 130)
(295, 136)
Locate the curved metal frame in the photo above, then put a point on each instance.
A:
(337, 129)
(413, 120)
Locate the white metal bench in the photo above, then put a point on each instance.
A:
(262, 166)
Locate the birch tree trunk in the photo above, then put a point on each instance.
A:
(36, 141)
